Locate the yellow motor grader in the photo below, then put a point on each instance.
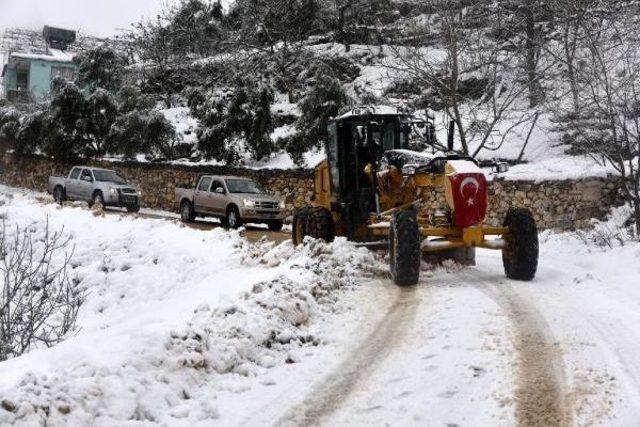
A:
(374, 191)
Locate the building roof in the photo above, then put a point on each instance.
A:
(379, 110)
(54, 55)
(31, 44)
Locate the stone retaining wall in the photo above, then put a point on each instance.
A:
(158, 181)
(556, 204)
(561, 205)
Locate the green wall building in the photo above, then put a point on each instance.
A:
(27, 76)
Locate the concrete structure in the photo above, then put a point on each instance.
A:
(28, 77)
(29, 70)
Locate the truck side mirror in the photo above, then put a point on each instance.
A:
(86, 178)
(219, 190)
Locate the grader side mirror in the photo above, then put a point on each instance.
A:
(409, 169)
(501, 167)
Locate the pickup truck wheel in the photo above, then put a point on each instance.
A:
(58, 195)
(233, 218)
(275, 225)
(97, 199)
(133, 209)
(186, 212)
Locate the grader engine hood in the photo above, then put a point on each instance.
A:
(466, 192)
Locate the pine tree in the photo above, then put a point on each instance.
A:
(143, 132)
(101, 67)
(324, 100)
(9, 125)
(63, 135)
(235, 120)
(29, 133)
(101, 113)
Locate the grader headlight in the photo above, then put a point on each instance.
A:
(409, 169)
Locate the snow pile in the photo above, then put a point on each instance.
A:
(560, 167)
(267, 324)
(616, 230)
(164, 329)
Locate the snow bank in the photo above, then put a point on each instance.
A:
(173, 317)
(561, 167)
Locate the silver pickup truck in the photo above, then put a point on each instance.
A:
(233, 200)
(95, 186)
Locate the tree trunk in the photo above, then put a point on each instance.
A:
(341, 24)
(569, 53)
(634, 197)
(535, 89)
(636, 213)
(453, 84)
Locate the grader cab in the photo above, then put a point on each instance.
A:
(375, 191)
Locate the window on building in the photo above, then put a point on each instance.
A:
(66, 73)
(22, 80)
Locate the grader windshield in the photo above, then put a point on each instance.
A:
(358, 140)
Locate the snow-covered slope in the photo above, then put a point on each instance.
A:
(173, 316)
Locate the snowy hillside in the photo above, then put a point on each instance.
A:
(254, 84)
(185, 327)
(378, 71)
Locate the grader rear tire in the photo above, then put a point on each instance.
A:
(321, 225)
(520, 256)
(299, 225)
(313, 221)
(404, 248)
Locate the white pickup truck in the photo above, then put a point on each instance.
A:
(234, 200)
(95, 186)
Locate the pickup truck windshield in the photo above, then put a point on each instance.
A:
(108, 176)
(243, 186)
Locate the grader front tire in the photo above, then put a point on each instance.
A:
(404, 248)
(520, 256)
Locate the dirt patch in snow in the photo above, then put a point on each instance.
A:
(540, 393)
(334, 391)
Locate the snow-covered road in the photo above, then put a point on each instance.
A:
(474, 348)
(190, 327)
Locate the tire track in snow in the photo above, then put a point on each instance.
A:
(253, 234)
(540, 393)
(334, 391)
